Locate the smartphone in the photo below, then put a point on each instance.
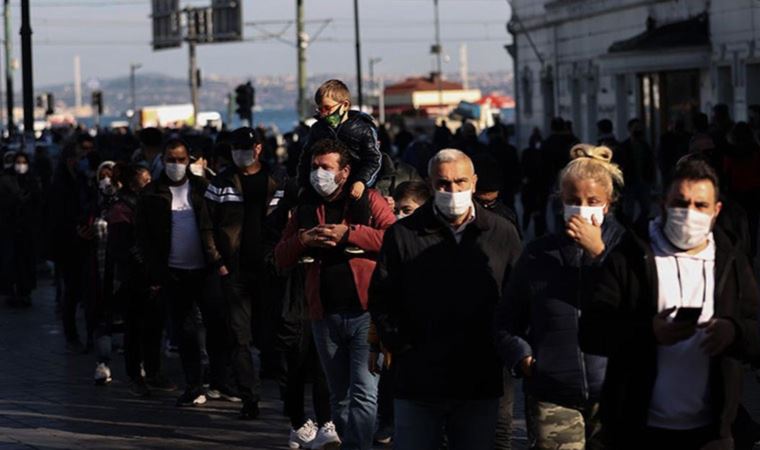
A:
(688, 315)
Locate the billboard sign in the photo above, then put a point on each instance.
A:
(167, 29)
(227, 20)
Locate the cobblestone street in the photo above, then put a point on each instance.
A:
(48, 399)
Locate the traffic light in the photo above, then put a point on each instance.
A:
(39, 102)
(50, 104)
(97, 101)
(245, 99)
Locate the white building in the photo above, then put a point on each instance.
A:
(587, 60)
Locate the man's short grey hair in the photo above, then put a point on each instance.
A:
(448, 155)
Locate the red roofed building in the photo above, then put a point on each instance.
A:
(421, 94)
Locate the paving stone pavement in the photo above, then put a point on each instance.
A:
(48, 399)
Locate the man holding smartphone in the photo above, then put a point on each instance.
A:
(673, 313)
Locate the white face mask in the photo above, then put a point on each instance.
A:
(453, 204)
(21, 168)
(175, 172)
(105, 186)
(197, 170)
(687, 228)
(243, 158)
(586, 212)
(323, 181)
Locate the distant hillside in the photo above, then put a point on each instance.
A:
(272, 92)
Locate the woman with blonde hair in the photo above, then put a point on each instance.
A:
(537, 320)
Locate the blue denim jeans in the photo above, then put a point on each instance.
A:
(468, 424)
(341, 341)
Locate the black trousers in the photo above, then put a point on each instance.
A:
(72, 268)
(216, 343)
(303, 365)
(183, 291)
(506, 413)
(242, 292)
(25, 261)
(385, 394)
(662, 439)
(144, 324)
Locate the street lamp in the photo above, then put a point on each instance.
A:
(132, 68)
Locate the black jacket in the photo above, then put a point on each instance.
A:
(433, 300)
(359, 134)
(394, 173)
(71, 204)
(224, 200)
(153, 223)
(617, 323)
(539, 315)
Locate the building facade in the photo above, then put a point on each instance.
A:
(658, 60)
(427, 95)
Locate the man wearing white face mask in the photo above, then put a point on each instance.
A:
(238, 200)
(674, 311)
(433, 295)
(171, 217)
(337, 286)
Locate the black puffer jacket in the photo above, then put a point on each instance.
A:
(153, 223)
(539, 316)
(359, 134)
(433, 301)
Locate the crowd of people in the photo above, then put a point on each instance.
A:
(388, 269)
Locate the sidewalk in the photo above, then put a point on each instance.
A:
(48, 398)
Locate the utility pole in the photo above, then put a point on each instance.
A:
(437, 50)
(373, 82)
(381, 101)
(77, 82)
(372, 63)
(230, 108)
(302, 42)
(132, 68)
(193, 80)
(28, 82)
(8, 67)
(359, 95)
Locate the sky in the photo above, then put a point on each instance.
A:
(108, 35)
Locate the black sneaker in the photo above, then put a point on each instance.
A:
(75, 347)
(138, 388)
(25, 301)
(384, 436)
(160, 382)
(191, 397)
(250, 411)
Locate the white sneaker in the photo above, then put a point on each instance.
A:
(327, 438)
(302, 437)
(102, 374)
(199, 400)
